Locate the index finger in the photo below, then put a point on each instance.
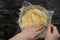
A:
(37, 25)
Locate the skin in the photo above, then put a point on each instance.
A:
(52, 33)
(30, 33)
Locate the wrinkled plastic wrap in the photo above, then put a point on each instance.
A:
(34, 14)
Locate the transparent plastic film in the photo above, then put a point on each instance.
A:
(34, 14)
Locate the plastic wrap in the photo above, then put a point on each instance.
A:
(36, 13)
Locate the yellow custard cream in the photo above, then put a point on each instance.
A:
(33, 16)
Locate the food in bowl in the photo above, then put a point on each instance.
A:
(33, 16)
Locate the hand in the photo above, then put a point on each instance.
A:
(52, 33)
(30, 33)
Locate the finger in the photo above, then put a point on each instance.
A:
(39, 32)
(37, 25)
(59, 35)
(39, 28)
(37, 37)
(55, 30)
(49, 29)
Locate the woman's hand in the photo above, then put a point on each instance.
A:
(30, 33)
(52, 33)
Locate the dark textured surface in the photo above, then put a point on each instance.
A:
(8, 19)
(9, 14)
